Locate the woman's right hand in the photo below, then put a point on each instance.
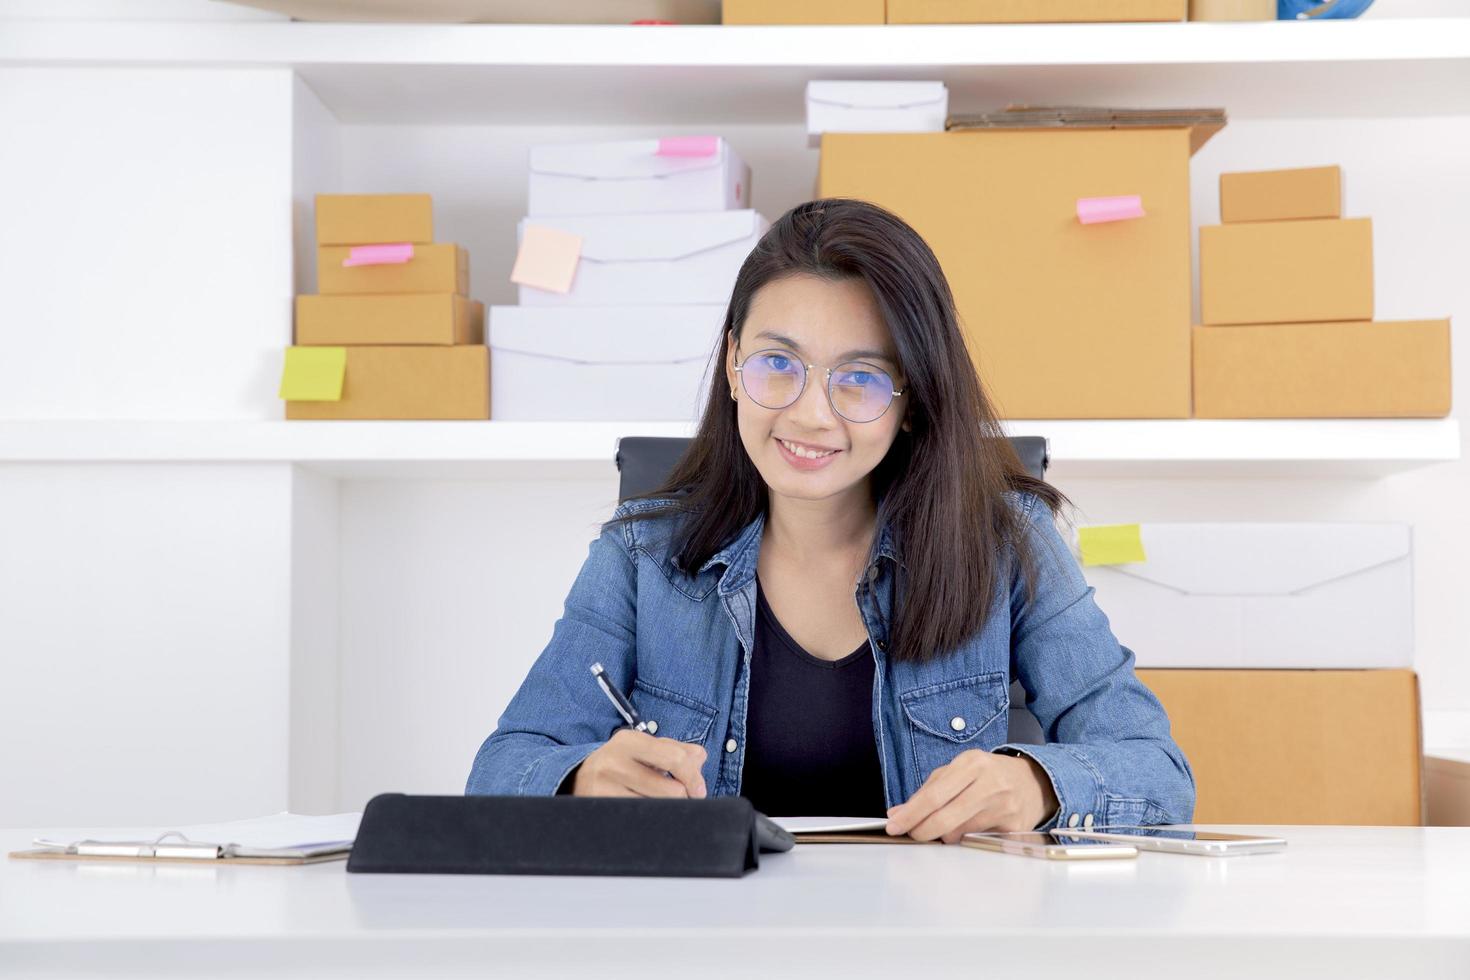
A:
(634, 763)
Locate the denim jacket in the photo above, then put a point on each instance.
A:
(680, 645)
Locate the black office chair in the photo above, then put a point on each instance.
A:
(644, 462)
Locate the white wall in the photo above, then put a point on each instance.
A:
(144, 619)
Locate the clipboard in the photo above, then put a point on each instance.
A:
(162, 850)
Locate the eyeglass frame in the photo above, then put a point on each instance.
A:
(806, 372)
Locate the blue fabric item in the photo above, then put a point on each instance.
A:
(680, 643)
(1320, 9)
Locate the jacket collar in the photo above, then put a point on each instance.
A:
(740, 556)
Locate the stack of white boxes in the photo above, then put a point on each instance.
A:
(653, 233)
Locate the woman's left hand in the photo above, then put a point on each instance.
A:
(976, 791)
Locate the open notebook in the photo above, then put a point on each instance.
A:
(283, 838)
(840, 830)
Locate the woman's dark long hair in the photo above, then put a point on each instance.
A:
(942, 485)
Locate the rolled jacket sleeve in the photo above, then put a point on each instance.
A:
(1108, 751)
(559, 716)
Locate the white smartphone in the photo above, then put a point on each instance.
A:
(1208, 843)
(1038, 845)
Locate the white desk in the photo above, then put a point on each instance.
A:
(1340, 902)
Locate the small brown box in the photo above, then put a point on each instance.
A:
(1032, 11)
(1297, 746)
(433, 269)
(1232, 9)
(802, 12)
(1396, 369)
(389, 318)
(1281, 195)
(1286, 271)
(374, 219)
(408, 383)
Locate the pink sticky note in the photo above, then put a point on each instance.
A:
(394, 254)
(688, 146)
(547, 259)
(1094, 210)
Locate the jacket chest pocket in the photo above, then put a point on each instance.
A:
(671, 715)
(953, 717)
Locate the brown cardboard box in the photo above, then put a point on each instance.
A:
(433, 269)
(408, 383)
(1064, 320)
(1297, 746)
(1396, 369)
(1031, 11)
(803, 12)
(374, 219)
(1281, 195)
(1286, 271)
(389, 318)
(1232, 9)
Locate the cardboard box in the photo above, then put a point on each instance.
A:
(1298, 746)
(651, 259)
(802, 12)
(874, 107)
(1064, 320)
(1281, 195)
(371, 219)
(1232, 9)
(639, 363)
(1392, 369)
(408, 383)
(389, 318)
(433, 269)
(1231, 595)
(1286, 271)
(630, 176)
(1031, 11)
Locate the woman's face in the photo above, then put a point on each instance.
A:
(823, 323)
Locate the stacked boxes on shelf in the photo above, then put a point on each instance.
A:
(1066, 315)
(1283, 654)
(392, 333)
(1286, 301)
(947, 11)
(625, 265)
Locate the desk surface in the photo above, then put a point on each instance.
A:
(1340, 901)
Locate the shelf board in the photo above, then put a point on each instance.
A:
(476, 450)
(428, 73)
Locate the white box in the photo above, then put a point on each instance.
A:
(645, 259)
(874, 107)
(634, 363)
(630, 177)
(1303, 595)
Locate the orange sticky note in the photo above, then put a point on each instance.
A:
(1111, 544)
(547, 259)
(313, 374)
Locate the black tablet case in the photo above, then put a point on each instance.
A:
(556, 835)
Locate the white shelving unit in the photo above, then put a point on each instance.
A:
(342, 608)
(497, 450)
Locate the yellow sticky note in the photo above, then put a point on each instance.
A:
(314, 374)
(547, 259)
(1111, 544)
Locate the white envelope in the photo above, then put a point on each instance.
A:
(633, 363)
(629, 177)
(648, 259)
(874, 107)
(1304, 595)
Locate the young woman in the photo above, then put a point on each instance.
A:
(824, 606)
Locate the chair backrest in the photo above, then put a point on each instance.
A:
(644, 462)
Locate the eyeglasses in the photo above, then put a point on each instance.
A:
(857, 391)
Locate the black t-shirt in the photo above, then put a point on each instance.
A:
(809, 748)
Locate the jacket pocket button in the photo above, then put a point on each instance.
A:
(957, 723)
(653, 728)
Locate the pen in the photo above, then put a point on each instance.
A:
(624, 706)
